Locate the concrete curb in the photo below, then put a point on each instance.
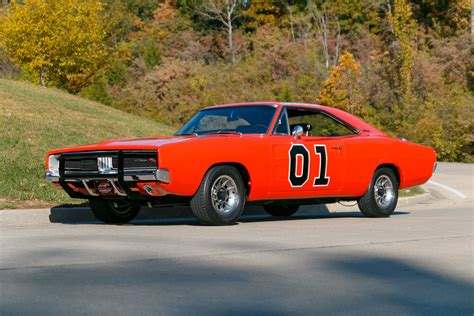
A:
(417, 199)
(83, 215)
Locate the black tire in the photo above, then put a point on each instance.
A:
(281, 210)
(114, 211)
(368, 204)
(210, 208)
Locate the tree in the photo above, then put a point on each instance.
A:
(327, 27)
(342, 88)
(61, 41)
(303, 23)
(290, 8)
(445, 18)
(224, 12)
(404, 28)
(263, 12)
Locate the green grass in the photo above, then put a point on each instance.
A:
(7, 206)
(34, 120)
(411, 191)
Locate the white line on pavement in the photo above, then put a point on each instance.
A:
(448, 189)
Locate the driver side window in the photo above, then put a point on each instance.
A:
(313, 122)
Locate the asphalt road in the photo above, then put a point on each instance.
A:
(418, 262)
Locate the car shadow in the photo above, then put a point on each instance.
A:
(182, 215)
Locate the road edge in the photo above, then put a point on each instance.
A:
(416, 199)
(21, 217)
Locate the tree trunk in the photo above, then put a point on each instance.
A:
(291, 24)
(229, 36)
(231, 43)
(42, 77)
(338, 43)
(389, 10)
(472, 20)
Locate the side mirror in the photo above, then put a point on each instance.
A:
(297, 131)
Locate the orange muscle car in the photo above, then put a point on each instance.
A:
(278, 155)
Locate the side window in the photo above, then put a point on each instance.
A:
(282, 127)
(317, 123)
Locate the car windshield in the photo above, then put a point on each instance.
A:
(249, 119)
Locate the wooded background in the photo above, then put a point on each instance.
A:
(405, 66)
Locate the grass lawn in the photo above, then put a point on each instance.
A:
(34, 120)
(411, 191)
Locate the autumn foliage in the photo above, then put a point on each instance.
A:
(61, 42)
(342, 88)
(405, 66)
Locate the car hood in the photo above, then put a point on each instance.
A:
(148, 143)
(130, 143)
(145, 141)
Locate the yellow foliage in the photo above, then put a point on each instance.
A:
(342, 88)
(262, 12)
(459, 8)
(61, 41)
(404, 28)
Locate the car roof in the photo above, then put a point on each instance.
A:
(264, 103)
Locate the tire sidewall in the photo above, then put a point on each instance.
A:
(131, 212)
(210, 178)
(103, 209)
(389, 209)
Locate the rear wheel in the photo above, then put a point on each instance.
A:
(114, 211)
(381, 198)
(220, 199)
(281, 210)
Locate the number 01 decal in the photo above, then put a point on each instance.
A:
(298, 172)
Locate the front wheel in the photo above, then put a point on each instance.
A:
(220, 199)
(381, 198)
(114, 211)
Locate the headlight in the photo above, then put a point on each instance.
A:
(53, 165)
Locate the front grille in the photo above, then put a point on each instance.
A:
(87, 163)
(80, 164)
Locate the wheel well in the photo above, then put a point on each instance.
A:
(241, 169)
(394, 169)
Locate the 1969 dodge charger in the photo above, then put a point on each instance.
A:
(278, 155)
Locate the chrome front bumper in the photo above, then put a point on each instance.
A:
(110, 167)
(158, 175)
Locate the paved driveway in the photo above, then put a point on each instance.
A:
(418, 262)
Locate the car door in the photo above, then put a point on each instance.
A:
(307, 165)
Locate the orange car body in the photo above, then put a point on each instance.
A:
(265, 160)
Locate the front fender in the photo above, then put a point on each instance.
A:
(189, 161)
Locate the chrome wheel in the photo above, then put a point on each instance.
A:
(224, 195)
(384, 191)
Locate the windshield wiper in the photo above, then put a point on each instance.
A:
(226, 132)
(188, 134)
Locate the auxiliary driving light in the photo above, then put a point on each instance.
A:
(148, 189)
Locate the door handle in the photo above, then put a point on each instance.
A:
(338, 147)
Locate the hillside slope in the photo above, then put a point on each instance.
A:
(34, 120)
